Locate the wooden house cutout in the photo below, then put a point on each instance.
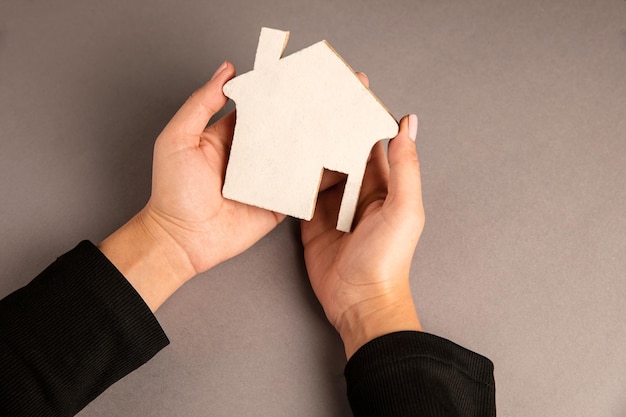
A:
(296, 116)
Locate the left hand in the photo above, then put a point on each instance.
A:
(362, 278)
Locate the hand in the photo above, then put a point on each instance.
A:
(189, 167)
(362, 278)
(187, 227)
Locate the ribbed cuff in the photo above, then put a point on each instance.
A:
(416, 373)
(387, 350)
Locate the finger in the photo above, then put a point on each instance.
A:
(405, 185)
(330, 178)
(222, 130)
(220, 136)
(191, 119)
(326, 213)
(374, 185)
(364, 79)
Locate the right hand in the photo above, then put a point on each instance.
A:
(362, 278)
(187, 226)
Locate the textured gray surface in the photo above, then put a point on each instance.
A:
(522, 139)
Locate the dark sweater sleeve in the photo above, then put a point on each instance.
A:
(419, 375)
(72, 332)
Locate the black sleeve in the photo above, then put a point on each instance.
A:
(419, 375)
(69, 334)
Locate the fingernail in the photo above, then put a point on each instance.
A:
(219, 70)
(412, 127)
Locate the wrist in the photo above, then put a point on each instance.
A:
(377, 317)
(149, 259)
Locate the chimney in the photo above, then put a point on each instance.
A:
(272, 43)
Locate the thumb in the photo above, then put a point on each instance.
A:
(192, 118)
(405, 185)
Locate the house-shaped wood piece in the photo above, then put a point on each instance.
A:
(296, 116)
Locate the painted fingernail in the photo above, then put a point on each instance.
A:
(219, 70)
(412, 127)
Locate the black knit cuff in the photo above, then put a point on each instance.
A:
(387, 350)
(408, 373)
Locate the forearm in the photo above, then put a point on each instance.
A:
(68, 335)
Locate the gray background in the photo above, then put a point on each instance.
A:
(522, 109)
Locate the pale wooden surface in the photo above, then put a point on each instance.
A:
(523, 153)
(296, 116)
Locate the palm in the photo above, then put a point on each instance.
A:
(187, 198)
(358, 263)
(340, 263)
